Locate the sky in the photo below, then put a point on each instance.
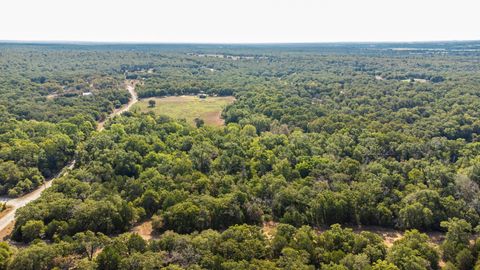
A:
(239, 21)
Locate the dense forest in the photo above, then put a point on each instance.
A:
(49, 101)
(321, 139)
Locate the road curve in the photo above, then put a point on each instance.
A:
(16, 203)
(134, 98)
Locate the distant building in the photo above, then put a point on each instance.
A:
(87, 93)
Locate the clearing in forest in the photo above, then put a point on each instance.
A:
(187, 107)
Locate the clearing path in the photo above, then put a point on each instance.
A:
(16, 203)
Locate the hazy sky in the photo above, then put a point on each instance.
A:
(229, 21)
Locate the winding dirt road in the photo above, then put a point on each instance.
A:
(16, 203)
(134, 98)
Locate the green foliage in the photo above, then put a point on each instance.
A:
(33, 229)
(457, 238)
(5, 255)
(32, 151)
(36, 256)
(383, 265)
(292, 259)
(108, 259)
(317, 135)
(152, 103)
(464, 259)
(242, 242)
(89, 243)
(413, 252)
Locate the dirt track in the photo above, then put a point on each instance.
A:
(133, 100)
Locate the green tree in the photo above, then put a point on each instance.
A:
(199, 122)
(383, 265)
(36, 256)
(152, 103)
(413, 252)
(456, 238)
(136, 243)
(415, 216)
(6, 253)
(242, 242)
(89, 243)
(464, 259)
(32, 230)
(292, 259)
(356, 262)
(185, 217)
(108, 259)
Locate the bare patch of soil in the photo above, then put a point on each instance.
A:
(6, 211)
(269, 229)
(213, 118)
(145, 230)
(389, 235)
(52, 96)
(6, 232)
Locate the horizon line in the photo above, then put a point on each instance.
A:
(88, 42)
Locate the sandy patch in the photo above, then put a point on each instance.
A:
(6, 211)
(213, 118)
(145, 230)
(269, 229)
(6, 232)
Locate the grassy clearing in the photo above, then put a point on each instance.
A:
(188, 107)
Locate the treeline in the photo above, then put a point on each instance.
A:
(317, 91)
(247, 247)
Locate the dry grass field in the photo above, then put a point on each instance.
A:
(188, 108)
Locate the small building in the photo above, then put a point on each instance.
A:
(87, 94)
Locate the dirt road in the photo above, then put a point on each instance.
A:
(22, 201)
(133, 100)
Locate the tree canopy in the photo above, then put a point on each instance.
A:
(321, 139)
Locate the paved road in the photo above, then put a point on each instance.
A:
(22, 201)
